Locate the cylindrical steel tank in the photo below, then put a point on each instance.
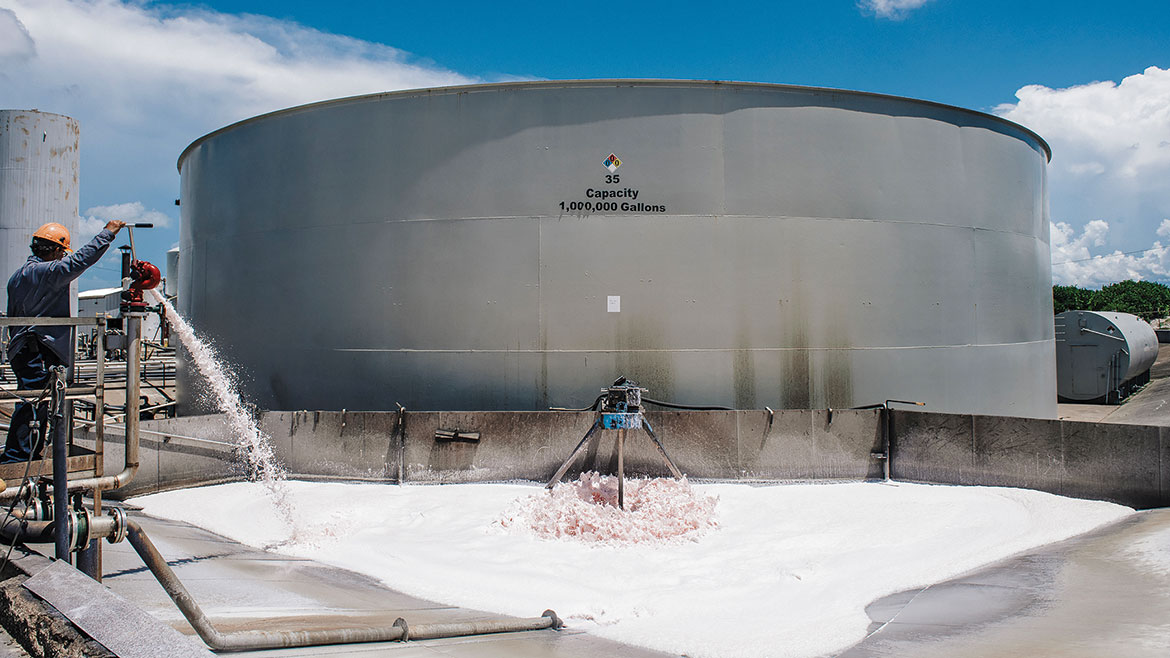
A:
(39, 168)
(1101, 356)
(171, 287)
(746, 245)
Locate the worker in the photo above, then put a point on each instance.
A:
(40, 288)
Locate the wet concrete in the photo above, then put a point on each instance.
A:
(1105, 593)
(241, 588)
(9, 648)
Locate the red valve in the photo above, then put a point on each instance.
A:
(143, 276)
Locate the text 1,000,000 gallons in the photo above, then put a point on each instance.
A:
(610, 206)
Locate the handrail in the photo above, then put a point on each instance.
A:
(98, 483)
(51, 322)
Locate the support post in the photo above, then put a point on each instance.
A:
(61, 520)
(621, 450)
(89, 559)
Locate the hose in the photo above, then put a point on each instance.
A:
(256, 640)
(688, 407)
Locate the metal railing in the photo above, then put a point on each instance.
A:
(93, 481)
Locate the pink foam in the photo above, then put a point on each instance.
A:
(656, 510)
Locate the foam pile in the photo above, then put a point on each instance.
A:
(586, 509)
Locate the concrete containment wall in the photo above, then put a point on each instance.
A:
(1127, 464)
(796, 445)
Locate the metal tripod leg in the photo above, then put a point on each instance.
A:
(661, 450)
(576, 451)
(621, 450)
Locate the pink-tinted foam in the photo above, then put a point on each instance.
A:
(656, 510)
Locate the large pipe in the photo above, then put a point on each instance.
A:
(257, 640)
(16, 530)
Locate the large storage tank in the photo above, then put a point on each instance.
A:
(1102, 356)
(748, 245)
(39, 168)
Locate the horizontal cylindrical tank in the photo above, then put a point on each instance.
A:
(520, 245)
(39, 168)
(1101, 356)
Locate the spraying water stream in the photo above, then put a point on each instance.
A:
(252, 444)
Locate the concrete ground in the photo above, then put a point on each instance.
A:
(9, 648)
(1105, 593)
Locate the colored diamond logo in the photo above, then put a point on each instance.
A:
(612, 163)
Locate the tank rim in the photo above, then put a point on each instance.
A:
(607, 82)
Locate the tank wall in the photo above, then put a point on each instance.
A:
(39, 169)
(812, 250)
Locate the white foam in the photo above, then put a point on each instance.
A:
(784, 571)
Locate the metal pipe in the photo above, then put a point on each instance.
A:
(256, 640)
(19, 530)
(576, 451)
(89, 558)
(60, 468)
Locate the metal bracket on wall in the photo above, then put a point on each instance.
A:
(456, 435)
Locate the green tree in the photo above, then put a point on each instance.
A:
(1145, 299)
(1070, 298)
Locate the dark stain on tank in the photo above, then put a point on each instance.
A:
(279, 391)
(836, 385)
(542, 385)
(744, 365)
(642, 357)
(794, 360)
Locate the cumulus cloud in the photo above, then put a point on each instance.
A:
(15, 43)
(145, 79)
(1110, 163)
(200, 65)
(1073, 262)
(131, 213)
(94, 219)
(892, 9)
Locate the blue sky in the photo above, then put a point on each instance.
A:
(146, 78)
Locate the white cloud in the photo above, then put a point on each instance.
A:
(131, 213)
(892, 9)
(1074, 264)
(94, 219)
(145, 79)
(15, 43)
(1110, 163)
(200, 65)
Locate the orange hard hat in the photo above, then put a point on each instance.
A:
(55, 233)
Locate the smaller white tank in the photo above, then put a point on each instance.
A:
(39, 168)
(171, 287)
(1102, 356)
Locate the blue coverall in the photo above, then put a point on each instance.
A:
(40, 288)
